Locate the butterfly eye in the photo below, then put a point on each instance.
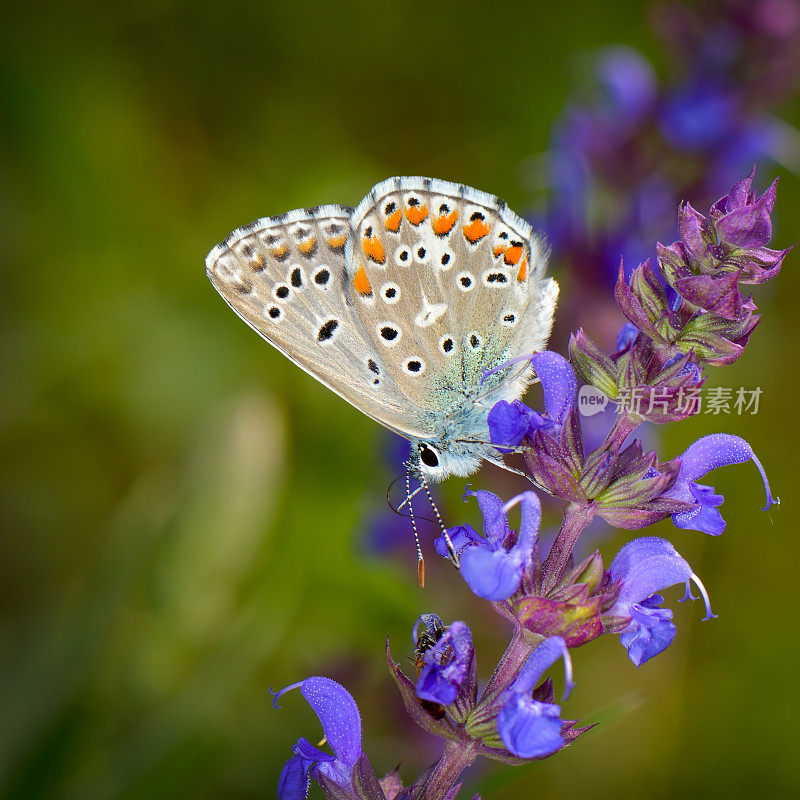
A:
(428, 456)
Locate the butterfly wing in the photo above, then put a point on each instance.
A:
(285, 276)
(449, 283)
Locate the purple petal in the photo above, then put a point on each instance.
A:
(713, 451)
(528, 728)
(447, 665)
(645, 566)
(293, 781)
(649, 633)
(430, 621)
(491, 574)
(495, 525)
(704, 517)
(627, 333)
(338, 713)
(558, 383)
(510, 423)
(491, 571)
(461, 536)
(543, 657)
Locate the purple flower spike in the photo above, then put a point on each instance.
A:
(446, 664)
(645, 567)
(529, 728)
(700, 458)
(341, 722)
(492, 565)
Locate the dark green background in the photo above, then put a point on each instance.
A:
(181, 507)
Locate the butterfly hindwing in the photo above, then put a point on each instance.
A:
(448, 283)
(285, 277)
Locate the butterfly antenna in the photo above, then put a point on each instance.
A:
(451, 550)
(420, 559)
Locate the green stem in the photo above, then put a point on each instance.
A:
(576, 518)
(515, 656)
(456, 757)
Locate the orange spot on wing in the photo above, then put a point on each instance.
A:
(513, 254)
(393, 221)
(499, 249)
(444, 223)
(361, 282)
(280, 251)
(476, 230)
(308, 245)
(373, 249)
(415, 214)
(523, 270)
(337, 241)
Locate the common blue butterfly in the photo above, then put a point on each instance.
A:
(409, 307)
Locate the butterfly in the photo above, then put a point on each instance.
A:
(413, 307)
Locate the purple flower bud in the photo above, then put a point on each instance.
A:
(645, 567)
(592, 364)
(718, 252)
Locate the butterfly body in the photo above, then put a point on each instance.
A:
(408, 307)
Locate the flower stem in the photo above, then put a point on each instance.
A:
(576, 518)
(510, 664)
(456, 757)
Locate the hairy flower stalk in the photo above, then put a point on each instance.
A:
(685, 313)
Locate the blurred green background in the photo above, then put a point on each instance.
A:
(182, 509)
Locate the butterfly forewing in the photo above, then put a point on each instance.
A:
(285, 277)
(448, 284)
